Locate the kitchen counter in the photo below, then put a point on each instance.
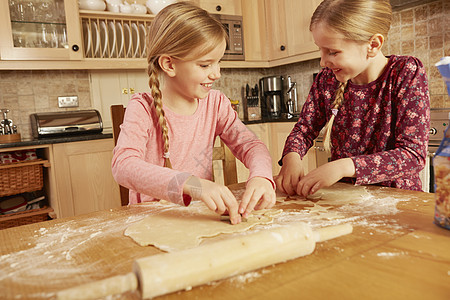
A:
(57, 140)
(394, 252)
(292, 120)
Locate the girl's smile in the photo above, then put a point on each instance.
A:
(190, 80)
(359, 62)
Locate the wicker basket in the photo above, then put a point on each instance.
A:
(25, 217)
(21, 177)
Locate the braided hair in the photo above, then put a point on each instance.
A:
(356, 20)
(182, 31)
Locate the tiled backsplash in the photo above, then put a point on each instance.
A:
(421, 31)
(27, 92)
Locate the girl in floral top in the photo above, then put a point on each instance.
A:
(374, 109)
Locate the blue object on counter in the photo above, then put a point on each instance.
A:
(444, 68)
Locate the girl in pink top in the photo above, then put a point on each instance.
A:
(182, 116)
(375, 109)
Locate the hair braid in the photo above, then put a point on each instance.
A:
(157, 102)
(183, 31)
(339, 98)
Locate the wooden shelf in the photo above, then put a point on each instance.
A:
(92, 14)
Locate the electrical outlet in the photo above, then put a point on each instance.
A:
(68, 101)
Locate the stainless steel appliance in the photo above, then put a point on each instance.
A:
(291, 99)
(52, 124)
(235, 46)
(272, 97)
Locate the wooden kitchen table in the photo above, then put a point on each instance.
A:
(394, 252)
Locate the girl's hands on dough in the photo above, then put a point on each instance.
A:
(259, 194)
(217, 197)
(290, 173)
(325, 175)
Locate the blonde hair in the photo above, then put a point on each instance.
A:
(177, 31)
(356, 20)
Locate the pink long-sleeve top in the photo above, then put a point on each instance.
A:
(138, 156)
(382, 126)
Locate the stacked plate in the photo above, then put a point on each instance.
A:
(114, 38)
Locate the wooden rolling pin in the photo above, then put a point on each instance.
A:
(169, 272)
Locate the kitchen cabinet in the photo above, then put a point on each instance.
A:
(288, 36)
(112, 87)
(40, 30)
(45, 154)
(254, 29)
(274, 135)
(279, 132)
(224, 7)
(262, 132)
(84, 179)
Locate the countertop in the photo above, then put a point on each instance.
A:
(394, 252)
(56, 140)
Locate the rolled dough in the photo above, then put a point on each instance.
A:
(330, 196)
(180, 228)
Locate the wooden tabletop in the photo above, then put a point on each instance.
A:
(394, 252)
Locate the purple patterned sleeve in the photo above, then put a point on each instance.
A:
(311, 120)
(409, 98)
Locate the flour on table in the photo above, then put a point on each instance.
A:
(330, 196)
(181, 228)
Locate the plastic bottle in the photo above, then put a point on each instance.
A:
(441, 164)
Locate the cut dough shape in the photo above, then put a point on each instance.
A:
(318, 209)
(332, 196)
(180, 228)
(315, 196)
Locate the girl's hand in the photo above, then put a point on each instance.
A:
(290, 173)
(217, 197)
(325, 175)
(259, 194)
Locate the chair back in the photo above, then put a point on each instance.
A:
(117, 113)
(222, 153)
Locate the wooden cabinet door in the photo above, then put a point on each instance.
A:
(298, 17)
(34, 37)
(288, 29)
(254, 28)
(83, 177)
(276, 29)
(279, 133)
(112, 87)
(262, 132)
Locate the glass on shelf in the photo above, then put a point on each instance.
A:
(38, 23)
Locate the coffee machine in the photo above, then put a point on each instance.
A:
(272, 97)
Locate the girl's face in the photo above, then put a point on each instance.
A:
(193, 79)
(348, 59)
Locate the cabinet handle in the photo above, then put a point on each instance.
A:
(218, 8)
(283, 47)
(75, 48)
(131, 90)
(125, 91)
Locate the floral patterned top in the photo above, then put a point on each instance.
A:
(383, 126)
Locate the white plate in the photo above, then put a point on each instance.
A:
(95, 39)
(143, 38)
(86, 39)
(135, 39)
(104, 38)
(120, 39)
(112, 38)
(127, 40)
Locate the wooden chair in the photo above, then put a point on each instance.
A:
(221, 152)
